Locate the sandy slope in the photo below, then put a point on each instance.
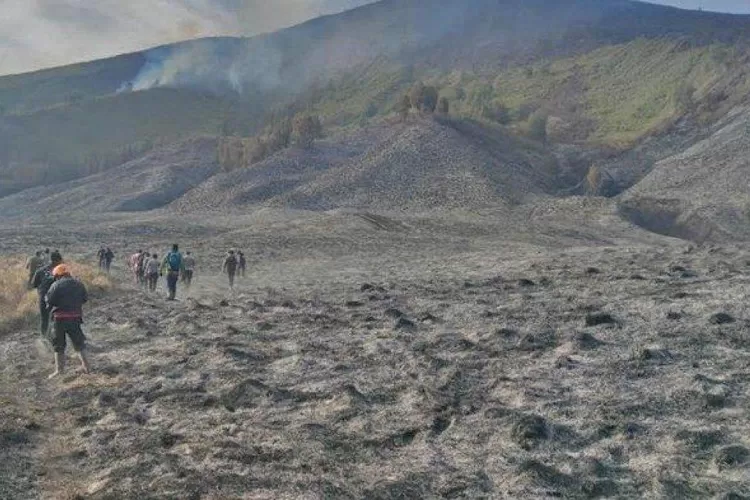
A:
(420, 165)
(147, 183)
(701, 192)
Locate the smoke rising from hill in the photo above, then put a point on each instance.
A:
(36, 34)
(41, 33)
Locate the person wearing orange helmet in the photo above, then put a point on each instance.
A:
(65, 299)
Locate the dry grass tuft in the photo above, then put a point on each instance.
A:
(18, 303)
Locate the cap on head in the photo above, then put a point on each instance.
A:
(55, 257)
(61, 271)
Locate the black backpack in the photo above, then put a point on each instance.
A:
(46, 282)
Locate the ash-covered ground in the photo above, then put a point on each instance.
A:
(505, 355)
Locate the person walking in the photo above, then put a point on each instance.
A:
(242, 264)
(133, 264)
(33, 264)
(189, 269)
(43, 280)
(109, 256)
(101, 255)
(141, 268)
(151, 270)
(172, 266)
(65, 299)
(230, 267)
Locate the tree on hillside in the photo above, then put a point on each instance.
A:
(480, 96)
(496, 112)
(423, 98)
(538, 126)
(279, 135)
(685, 97)
(306, 128)
(403, 107)
(429, 99)
(416, 94)
(593, 181)
(444, 106)
(371, 110)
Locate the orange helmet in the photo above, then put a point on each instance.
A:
(60, 271)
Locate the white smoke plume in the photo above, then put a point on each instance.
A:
(35, 34)
(212, 65)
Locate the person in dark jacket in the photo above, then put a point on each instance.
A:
(42, 281)
(109, 256)
(34, 263)
(65, 299)
(230, 267)
(101, 256)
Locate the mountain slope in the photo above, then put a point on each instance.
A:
(146, 183)
(421, 165)
(701, 193)
(604, 73)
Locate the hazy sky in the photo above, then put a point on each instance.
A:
(42, 33)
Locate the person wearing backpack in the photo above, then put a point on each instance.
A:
(42, 281)
(172, 266)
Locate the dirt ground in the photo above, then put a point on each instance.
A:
(500, 355)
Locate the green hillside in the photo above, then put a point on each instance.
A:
(611, 96)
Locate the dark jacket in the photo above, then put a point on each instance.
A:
(230, 264)
(66, 298)
(43, 280)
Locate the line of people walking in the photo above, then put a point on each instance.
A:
(62, 297)
(37, 261)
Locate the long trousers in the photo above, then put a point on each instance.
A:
(172, 278)
(43, 317)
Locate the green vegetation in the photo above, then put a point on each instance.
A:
(613, 96)
(235, 151)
